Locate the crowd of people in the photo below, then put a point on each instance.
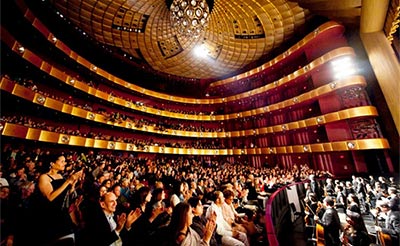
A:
(121, 117)
(355, 199)
(69, 198)
(141, 144)
(69, 193)
(31, 85)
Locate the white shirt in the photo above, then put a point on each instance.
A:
(113, 226)
(223, 227)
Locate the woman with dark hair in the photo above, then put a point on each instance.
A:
(181, 193)
(158, 199)
(180, 232)
(353, 203)
(200, 221)
(145, 228)
(141, 197)
(54, 200)
(354, 231)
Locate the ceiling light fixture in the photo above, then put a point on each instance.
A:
(189, 17)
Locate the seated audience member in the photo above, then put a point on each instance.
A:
(125, 189)
(7, 214)
(340, 202)
(394, 200)
(101, 228)
(356, 220)
(180, 232)
(315, 186)
(393, 183)
(158, 195)
(353, 203)
(329, 188)
(200, 221)
(229, 212)
(123, 205)
(391, 225)
(230, 236)
(140, 198)
(148, 225)
(181, 193)
(25, 212)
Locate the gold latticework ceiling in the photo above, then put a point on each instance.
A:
(238, 32)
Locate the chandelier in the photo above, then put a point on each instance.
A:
(189, 17)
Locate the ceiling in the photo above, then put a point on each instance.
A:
(239, 32)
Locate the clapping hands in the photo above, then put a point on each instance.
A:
(210, 227)
(132, 217)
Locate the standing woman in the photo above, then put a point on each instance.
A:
(56, 196)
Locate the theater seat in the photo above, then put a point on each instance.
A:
(295, 214)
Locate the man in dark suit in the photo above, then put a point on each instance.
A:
(330, 222)
(314, 186)
(394, 200)
(102, 229)
(392, 221)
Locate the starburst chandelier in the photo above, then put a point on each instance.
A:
(189, 17)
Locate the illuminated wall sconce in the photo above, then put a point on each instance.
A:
(40, 99)
(53, 38)
(65, 139)
(351, 145)
(20, 49)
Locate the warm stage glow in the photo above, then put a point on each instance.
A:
(200, 51)
(343, 67)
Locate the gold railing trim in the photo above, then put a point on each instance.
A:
(363, 111)
(73, 55)
(14, 130)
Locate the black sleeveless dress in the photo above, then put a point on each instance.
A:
(54, 219)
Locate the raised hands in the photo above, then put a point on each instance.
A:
(121, 219)
(210, 227)
(75, 176)
(132, 217)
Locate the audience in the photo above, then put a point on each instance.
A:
(141, 195)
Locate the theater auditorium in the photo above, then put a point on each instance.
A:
(200, 122)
